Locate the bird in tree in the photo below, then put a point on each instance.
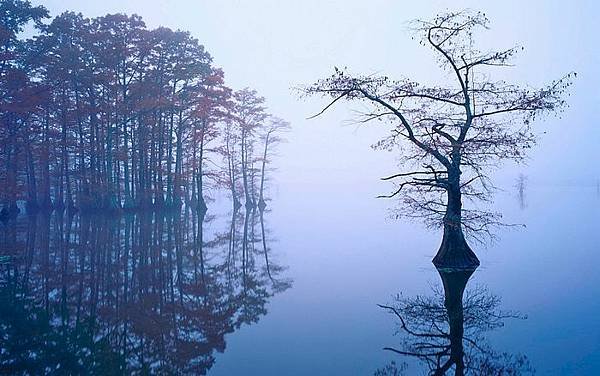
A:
(450, 135)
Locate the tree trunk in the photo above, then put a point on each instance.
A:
(32, 205)
(244, 154)
(169, 199)
(201, 204)
(261, 200)
(128, 203)
(94, 183)
(10, 207)
(46, 200)
(158, 157)
(231, 167)
(65, 173)
(111, 203)
(176, 200)
(83, 198)
(454, 252)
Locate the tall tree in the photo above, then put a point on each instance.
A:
(208, 116)
(110, 115)
(270, 137)
(19, 95)
(249, 114)
(453, 133)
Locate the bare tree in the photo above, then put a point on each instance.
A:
(249, 115)
(271, 137)
(450, 135)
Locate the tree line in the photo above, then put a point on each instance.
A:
(105, 114)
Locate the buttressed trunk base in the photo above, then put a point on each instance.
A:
(454, 252)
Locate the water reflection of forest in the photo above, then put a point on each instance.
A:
(135, 294)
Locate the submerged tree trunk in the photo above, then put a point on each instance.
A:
(454, 252)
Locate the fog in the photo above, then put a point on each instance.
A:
(336, 250)
(274, 46)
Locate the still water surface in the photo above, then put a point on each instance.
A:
(294, 291)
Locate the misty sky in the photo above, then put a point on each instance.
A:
(273, 46)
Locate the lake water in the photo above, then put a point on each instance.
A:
(292, 292)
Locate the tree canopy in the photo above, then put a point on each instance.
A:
(104, 113)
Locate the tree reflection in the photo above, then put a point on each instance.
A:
(137, 294)
(446, 331)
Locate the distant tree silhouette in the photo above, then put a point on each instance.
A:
(450, 135)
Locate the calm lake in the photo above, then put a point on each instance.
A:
(294, 291)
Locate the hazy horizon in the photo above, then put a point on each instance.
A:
(115, 232)
(275, 46)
